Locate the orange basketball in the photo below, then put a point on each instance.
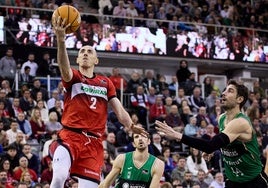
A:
(71, 14)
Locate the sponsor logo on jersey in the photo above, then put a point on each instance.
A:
(96, 91)
(87, 171)
(229, 152)
(125, 185)
(128, 174)
(103, 82)
(145, 171)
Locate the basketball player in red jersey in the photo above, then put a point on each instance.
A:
(80, 152)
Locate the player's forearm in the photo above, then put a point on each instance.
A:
(103, 185)
(63, 60)
(121, 114)
(207, 146)
(110, 178)
(125, 119)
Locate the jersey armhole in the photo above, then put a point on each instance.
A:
(67, 85)
(111, 97)
(123, 165)
(153, 166)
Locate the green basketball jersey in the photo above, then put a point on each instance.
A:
(131, 176)
(241, 159)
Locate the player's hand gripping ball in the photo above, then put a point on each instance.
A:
(72, 16)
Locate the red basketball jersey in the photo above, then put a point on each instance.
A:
(86, 102)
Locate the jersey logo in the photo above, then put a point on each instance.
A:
(145, 171)
(125, 185)
(96, 91)
(128, 174)
(103, 82)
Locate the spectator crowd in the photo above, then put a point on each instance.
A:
(31, 118)
(224, 29)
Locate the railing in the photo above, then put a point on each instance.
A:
(51, 83)
(219, 42)
(102, 19)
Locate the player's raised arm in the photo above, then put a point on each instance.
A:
(62, 56)
(111, 177)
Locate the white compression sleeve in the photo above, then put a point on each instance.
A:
(82, 183)
(61, 165)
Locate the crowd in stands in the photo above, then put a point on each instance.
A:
(29, 121)
(241, 13)
(31, 118)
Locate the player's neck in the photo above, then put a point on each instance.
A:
(88, 72)
(141, 156)
(231, 113)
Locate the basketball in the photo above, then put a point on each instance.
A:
(72, 17)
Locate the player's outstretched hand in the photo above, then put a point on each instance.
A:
(60, 28)
(139, 130)
(167, 131)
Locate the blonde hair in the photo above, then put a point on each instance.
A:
(23, 174)
(52, 115)
(33, 116)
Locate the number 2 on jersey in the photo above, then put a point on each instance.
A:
(93, 101)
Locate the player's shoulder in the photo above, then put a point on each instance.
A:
(104, 79)
(119, 160)
(243, 121)
(222, 115)
(76, 73)
(121, 157)
(158, 162)
(101, 76)
(159, 165)
(240, 125)
(242, 118)
(75, 70)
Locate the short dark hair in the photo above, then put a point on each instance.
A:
(11, 147)
(26, 68)
(183, 61)
(9, 48)
(148, 136)
(36, 79)
(242, 91)
(45, 52)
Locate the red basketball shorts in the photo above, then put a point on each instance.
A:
(86, 154)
